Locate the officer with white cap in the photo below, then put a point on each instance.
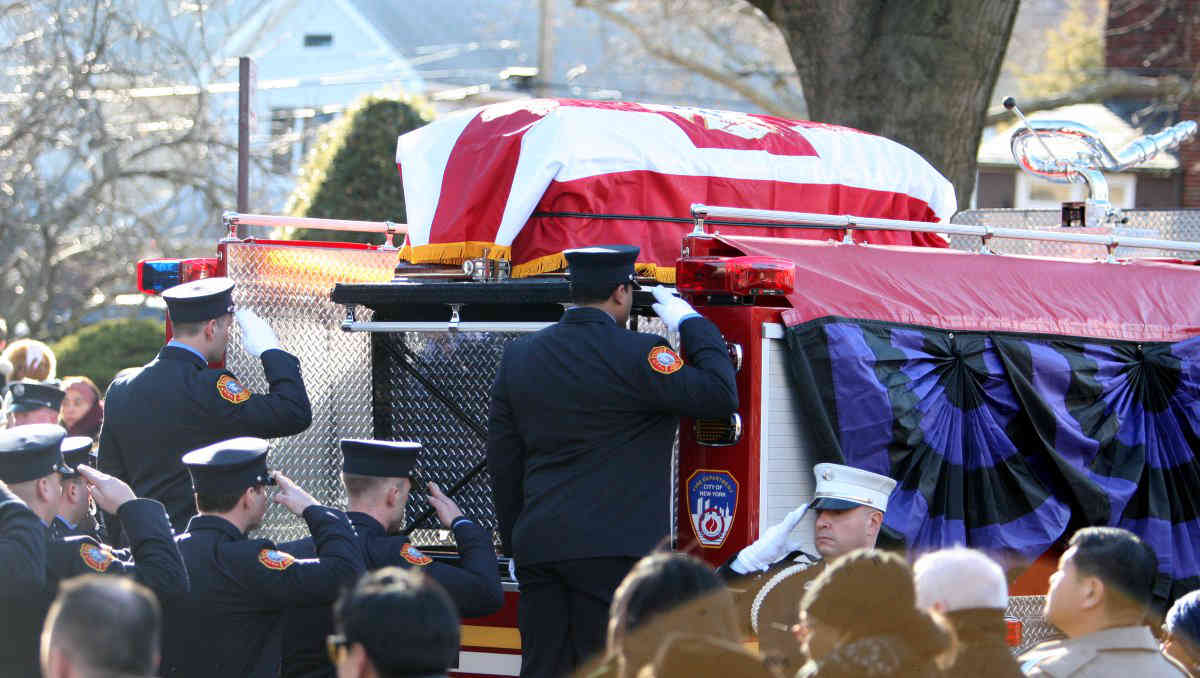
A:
(771, 574)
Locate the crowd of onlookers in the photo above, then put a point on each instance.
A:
(74, 402)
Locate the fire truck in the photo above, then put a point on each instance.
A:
(1021, 374)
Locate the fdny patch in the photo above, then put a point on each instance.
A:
(96, 557)
(275, 560)
(231, 390)
(664, 360)
(414, 556)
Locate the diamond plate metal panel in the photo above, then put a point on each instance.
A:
(289, 286)
(460, 365)
(1034, 627)
(1180, 224)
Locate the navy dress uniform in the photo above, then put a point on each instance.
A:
(177, 403)
(231, 622)
(768, 599)
(581, 424)
(77, 450)
(473, 584)
(35, 451)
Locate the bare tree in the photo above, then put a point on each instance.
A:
(109, 150)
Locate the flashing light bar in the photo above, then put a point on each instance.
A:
(156, 275)
(742, 276)
(1013, 631)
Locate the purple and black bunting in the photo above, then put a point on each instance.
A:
(1010, 442)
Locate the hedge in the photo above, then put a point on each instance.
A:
(351, 171)
(100, 351)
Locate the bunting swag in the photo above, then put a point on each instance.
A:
(1008, 442)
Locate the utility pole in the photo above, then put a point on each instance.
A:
(246, 119)
(545, 48)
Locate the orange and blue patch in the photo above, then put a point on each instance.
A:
(96, 557)
(232, 390)
(664, 360)
(275, 560)
(411, 554)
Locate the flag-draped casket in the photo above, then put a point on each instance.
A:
(529, 179)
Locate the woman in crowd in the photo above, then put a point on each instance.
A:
(664, 593)
(860, 618)
(31, 359)
(82, 412)
(1181, 641)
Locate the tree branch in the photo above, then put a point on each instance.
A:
(1114, 85)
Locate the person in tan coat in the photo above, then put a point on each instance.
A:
(1099, 597)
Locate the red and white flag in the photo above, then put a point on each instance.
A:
(528, 179)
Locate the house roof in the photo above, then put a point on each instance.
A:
(1112, 128)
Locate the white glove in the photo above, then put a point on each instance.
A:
(257, 335)
(512, 569)
(771, 546)
(670, 307)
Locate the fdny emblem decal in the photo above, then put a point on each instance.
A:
(275, 560)
(712, 503)
(231, 390)
(412, 555)
(96, 557)
(664, 360)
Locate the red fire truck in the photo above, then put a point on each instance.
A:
(977, 357)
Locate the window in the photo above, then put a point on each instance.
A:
(1038, 194)
(292, 132)
(318, 40)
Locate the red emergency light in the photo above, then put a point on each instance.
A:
(156, 275)
(740, 276)
(1013, 631)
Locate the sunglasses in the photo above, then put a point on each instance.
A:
(336, 645)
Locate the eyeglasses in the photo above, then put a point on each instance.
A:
(336, 645)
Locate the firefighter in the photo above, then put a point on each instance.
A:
(231, 622)
(31, 464)
(770, 576)
(178, 403)
(74, 516)
(33, 402)
(580, 429)
(377, 474)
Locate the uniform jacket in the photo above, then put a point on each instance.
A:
(1117, 653)
(154, 561)
(473, 585)
(581, 424)
(770, 601)
(231, 622)
(23, 543)
(59, 529)
(176, 404)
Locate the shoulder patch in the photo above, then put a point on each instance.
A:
(275, 560)
(664, 360)
(411, 554)
(232, 390)
(99, 558)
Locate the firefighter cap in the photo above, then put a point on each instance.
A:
(602, 265)
(28, 395)
(30, 452)
(379, 458)
(199, 300)
(842, 487)
(229, 466)
(77, 450)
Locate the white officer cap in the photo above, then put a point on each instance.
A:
(842, 487)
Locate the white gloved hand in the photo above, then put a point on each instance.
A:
(257, 335)
(771, 546)
(670, 307)
(512, 569)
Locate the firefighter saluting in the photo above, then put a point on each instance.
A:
(580, 428)
(769, 577)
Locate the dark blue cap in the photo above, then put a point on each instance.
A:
(380, 458)
(229, 466)
(199, 300)
(30, 452)
(77, 450)
(27, 395)
(602, 264)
